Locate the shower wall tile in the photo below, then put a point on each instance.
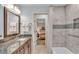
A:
(63, 31)
(72, 38)
(58, 28)
(58, 44)
(63, 26)
(59, 15)
(59, 37)
(73, 44)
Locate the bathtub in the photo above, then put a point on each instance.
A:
(60, 50)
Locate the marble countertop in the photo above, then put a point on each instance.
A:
(10, 46)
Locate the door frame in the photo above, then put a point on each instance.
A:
(33, 31)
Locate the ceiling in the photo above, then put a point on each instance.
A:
(24, 5)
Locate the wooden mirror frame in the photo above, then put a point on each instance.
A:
(5, 23)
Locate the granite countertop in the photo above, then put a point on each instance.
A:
(10, 46)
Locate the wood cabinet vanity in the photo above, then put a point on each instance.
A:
(24, 48)
(12, 29)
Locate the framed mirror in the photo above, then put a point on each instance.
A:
(11, 23)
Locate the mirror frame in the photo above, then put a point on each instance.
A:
(5, 23)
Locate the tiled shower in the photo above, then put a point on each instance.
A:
(66, 33)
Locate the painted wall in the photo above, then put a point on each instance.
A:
(27, 17)
(27, 14)
(72, 39)
(1, 23)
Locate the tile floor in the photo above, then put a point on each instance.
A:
(41, 49)
(41, 42)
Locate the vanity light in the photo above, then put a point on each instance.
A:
(17, 10)
(12, 8)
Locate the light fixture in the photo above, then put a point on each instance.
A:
(17, 10)
(12, 8)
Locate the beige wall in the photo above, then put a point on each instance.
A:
(27, 12)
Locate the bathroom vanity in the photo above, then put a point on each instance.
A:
(24, 48)
(13, 42)
(18, 45)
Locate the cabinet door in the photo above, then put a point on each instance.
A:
(22, 50)
(16, 52)
(26, 48)
(29, 46)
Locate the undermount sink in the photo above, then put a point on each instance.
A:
(21, 39)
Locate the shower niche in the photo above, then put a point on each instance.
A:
(76, 23)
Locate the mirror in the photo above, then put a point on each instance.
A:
(11, 23)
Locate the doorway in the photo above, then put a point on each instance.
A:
(40, 29)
